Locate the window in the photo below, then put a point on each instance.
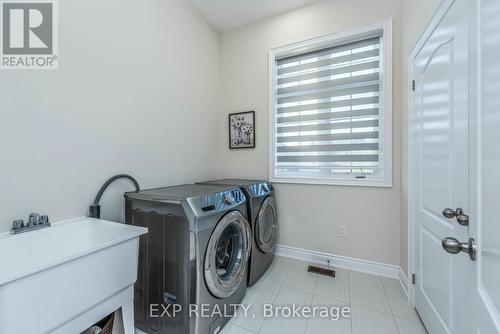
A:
(330, 110)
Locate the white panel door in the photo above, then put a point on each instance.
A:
(440, 171)
(485, 271)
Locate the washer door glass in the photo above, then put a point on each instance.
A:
(266, 226)
(227, 255)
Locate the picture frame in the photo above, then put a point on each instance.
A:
(242, 130)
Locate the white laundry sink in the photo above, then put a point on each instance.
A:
(64, 278)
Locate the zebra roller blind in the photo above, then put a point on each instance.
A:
(327, 112)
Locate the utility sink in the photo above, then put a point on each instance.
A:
(65, 278)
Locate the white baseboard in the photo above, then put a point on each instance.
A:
(343, 262)
(403, 280)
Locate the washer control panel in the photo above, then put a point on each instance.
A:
(228, 199)
(238, 195)
(234, 196)
(221, 201)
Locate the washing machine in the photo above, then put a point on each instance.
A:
(193, 262)
(262, 214)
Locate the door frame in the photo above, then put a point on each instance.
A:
(437, 17)
(475, 154)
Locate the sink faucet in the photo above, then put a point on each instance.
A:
(35, 222)
(95, 209)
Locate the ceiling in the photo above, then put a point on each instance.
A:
(228, 14)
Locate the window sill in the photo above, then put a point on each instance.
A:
(353, 183)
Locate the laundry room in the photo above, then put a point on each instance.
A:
(249, 167)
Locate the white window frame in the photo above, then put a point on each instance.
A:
(385, 176)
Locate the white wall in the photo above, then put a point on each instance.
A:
(136, 91)
(414, 17)
(310, 214)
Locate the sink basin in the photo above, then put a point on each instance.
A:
(64, 278)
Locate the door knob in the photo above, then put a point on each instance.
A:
(462, 218)
(450, 213)
(453, 246)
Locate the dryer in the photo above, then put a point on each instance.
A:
(263, 218)
(196, 253)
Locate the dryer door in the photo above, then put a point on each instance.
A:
(227, 255)
(266, 226)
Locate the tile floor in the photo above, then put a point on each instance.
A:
(378, 305)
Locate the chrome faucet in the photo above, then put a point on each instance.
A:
(35, 222)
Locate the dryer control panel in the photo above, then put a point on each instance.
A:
(260, 189)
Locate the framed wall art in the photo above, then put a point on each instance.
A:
(242, 130)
